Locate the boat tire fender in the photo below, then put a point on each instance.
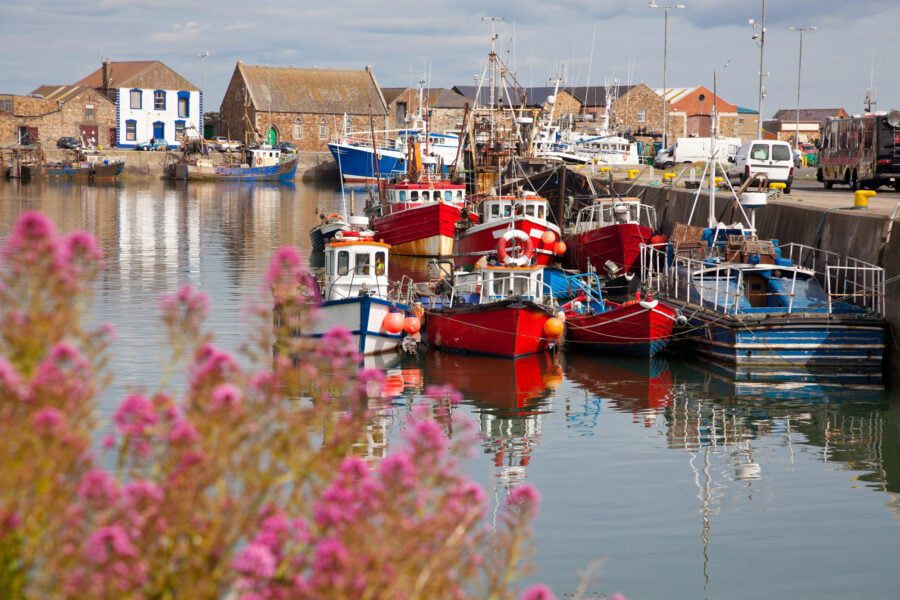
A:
(525, 257)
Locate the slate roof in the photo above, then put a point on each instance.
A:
(62, 93)
(808, 115)
(536, 96)
(595, 95)
(437, 97)
(131, 73)
(313, 91)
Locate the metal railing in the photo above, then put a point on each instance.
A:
(845, 279)
(537, 291)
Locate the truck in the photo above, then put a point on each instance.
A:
(696, 149)
(861, 151)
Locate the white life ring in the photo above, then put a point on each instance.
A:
(258, 161)
(528, 251)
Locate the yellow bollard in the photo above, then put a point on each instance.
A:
(668, 177)
(633, 173)
(718, 181)
(861, 198)
(604, 169)
(777, 186)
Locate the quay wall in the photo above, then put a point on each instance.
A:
(312, 165)
(853, 233)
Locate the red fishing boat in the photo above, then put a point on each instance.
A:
(509, 224)
(639, 327)
(419, 217)
(610, 230)
(498, 310)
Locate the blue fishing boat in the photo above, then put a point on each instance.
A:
(355, 155)
(257, 164)
(757, 303)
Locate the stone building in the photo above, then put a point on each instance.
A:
(811, 122)
(566, 103)
(307, 107)
(445, 108)
(595, 101)
(151, 100)
(639, 112)
(56, 111)
(747, 123)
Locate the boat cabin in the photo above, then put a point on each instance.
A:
(618, 211)
(497, 208)
(263, 157)
(421, 192)
(355, 265)
(496, 283)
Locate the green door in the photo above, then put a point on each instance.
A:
(272, 136)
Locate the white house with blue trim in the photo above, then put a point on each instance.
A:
(152, 101)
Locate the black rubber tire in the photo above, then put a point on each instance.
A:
(829, 185)
(787, 190)
(854, 184)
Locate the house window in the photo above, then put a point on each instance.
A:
(179, 130)
(136, 99)
(298, 128)
(184, 105)
(159, 100)
(130, 131)
(323, 130)
(6, 106)
(88, 112)
(642, 116)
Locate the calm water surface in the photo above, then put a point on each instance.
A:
(685, 483)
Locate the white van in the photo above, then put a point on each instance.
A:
(696, 149)
(771, 157)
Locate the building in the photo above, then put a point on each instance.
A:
(566, 103)
(747, 123)
(307, 107)
(595, 102)
(811, 122)
(52, 112)
(639, 112)
(446, 107)
(152, 101)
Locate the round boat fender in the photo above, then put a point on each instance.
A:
(649, 303)
(525, 257)
(258, 161)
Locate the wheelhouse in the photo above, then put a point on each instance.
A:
(355, 265)
(424, 192)
(497, 208)
(616, 212)
(497, 283)
(263, 157)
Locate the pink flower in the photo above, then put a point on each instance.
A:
(135, 415)
(444, 392)
(538, 592)
(183, 432)
(331, 559)
(287, 267)
(185, 308)
(370, 381)
(618, 596)
(398, 469)
(256, 561)
(10, 381)
(226, 396)
(98, 485)
(525, 498)
(81, 247)
(426, 437)
(34, 225)
(211, 363)
(112, 539)
(48, 421)
(143, 491)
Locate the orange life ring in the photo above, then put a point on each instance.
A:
(525, 254)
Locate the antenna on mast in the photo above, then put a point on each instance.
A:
(869, 101)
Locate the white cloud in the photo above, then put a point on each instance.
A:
(240, 24)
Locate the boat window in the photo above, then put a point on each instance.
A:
(362, 263)
(329, 268)
(380, 263)
(414, 196)
(759, 152)
(495, 210)
(520, 285)
(529, 210)
(343, 262)
(402, 195)
(540, 211)
(507, 210)
(459, 195)
(448, 196)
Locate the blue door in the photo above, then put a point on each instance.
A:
(159, 130)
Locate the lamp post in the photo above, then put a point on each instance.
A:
(799, 70)
(203, 55)
(761, 42)
(665, 7)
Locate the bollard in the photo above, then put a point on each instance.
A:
(861, 198)
(718, 181)
(668, 177)
(777, 186)
(604, 169)
(633, 173)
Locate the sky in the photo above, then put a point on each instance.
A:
(61, 41)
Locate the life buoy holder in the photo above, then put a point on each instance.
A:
(258, 161)
(526, 250)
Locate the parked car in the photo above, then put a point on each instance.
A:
(68, 143)
(773, 158)
(287, 147)
(223, 144)
(153, 144)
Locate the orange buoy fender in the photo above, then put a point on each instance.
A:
(553, 327)
(525, 257)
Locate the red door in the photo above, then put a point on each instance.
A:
(88, 135)
(112, 136)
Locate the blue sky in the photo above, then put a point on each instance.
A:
(60, 41)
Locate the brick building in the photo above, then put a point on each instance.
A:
(151, 100)
(747, 123)
(307, 107)
(52, 112)
(446, 108)
(811, 122)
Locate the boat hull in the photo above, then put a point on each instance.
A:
(356, 165)
(363, 317)
(324, 233)
(620, 243)
(482, 239)
(794, 340)
(76, 172)
(508, 328)
(641, 329)
(283, 171)
(425, 230)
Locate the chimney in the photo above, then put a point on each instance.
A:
(107, 66)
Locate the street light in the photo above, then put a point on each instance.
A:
(799, 68)
(665, 7)
(203, 55)
(760, 39)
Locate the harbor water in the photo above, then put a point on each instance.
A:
(669, 478)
